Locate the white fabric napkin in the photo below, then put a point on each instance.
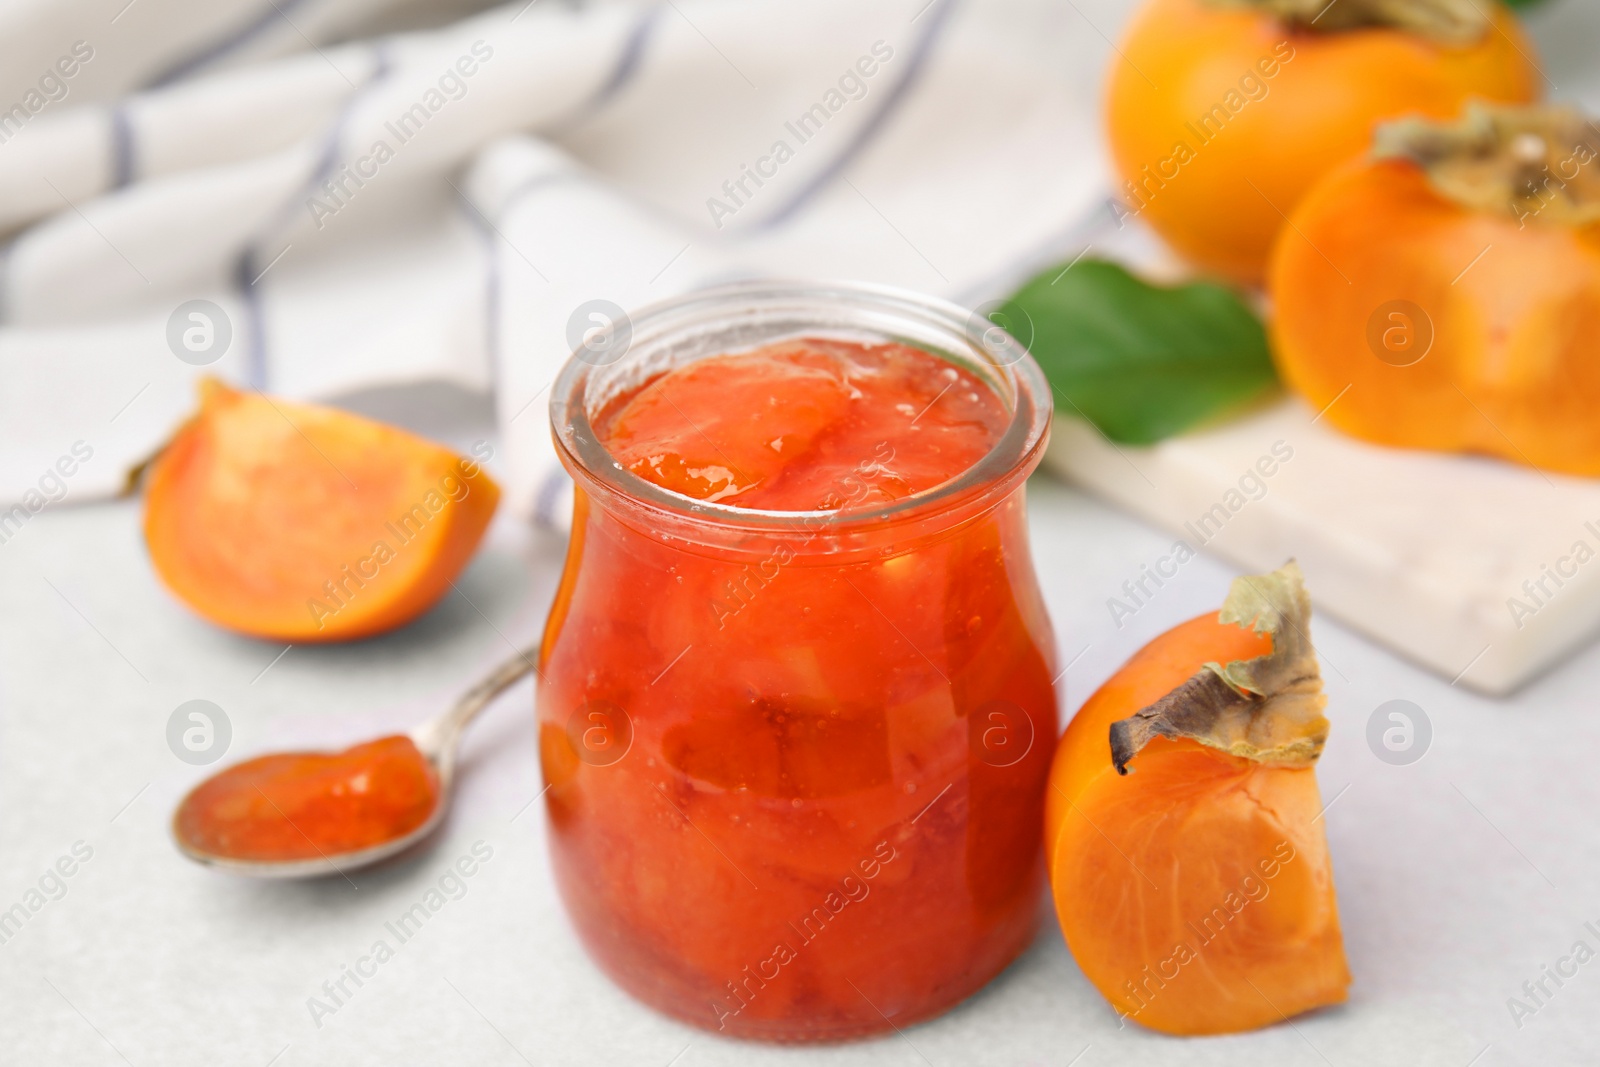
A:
(434, 207)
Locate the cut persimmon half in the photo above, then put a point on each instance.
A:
(303, 523)
(1187, 858)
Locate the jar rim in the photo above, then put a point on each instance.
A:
(970, 338)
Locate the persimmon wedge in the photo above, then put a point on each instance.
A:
(1195, 889)
(307, 524)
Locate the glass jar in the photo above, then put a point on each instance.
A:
(796, 761)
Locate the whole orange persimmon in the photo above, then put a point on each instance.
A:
(1445, 294)
(1223, 113)
(1183, 827)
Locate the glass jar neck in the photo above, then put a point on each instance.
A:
(747, 315)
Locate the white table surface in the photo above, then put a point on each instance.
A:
(1459, 876)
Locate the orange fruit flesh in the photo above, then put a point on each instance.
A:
(1196, 893)
(303, 523)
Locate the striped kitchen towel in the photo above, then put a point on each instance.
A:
(415, 208)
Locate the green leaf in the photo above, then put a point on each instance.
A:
(1522, 3)
(1141, 362)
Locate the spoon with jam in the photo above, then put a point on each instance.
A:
(310, 814)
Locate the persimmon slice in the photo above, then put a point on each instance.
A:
(303, 523)
(1196, 891)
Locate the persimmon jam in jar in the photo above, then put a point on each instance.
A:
(796, 705)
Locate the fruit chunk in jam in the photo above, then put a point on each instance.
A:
(795, 794)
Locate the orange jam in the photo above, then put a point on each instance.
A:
(786, 427)
(310, 805)
(796, 763)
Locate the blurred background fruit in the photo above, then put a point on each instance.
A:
(1447, 290)
(1221, 115)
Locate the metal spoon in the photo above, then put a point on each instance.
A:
(437, 740)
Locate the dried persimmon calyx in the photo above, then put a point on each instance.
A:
(1267, 709)
(1521, 161)
(1456, 22)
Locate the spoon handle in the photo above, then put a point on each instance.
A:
(440, 734)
